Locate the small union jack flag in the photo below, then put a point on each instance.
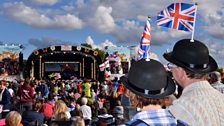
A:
(180, 16)
(144, 50)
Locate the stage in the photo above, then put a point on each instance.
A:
(65, 60)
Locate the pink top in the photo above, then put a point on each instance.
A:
(2, 122)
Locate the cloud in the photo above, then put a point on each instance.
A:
(46, 42)
(20, 12)
(102, 45)
(216, 30)
(49, 2)
(212, 15)
(102, 19)
(121, 18)
(128, 31)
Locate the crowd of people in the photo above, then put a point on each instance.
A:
(58, 102)
(146, 95)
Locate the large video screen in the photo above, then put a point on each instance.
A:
(60, 67)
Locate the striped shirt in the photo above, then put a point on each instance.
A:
(160, 117)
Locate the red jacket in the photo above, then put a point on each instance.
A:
(26, 94)
(47, 109)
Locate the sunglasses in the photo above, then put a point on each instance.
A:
(171, 66)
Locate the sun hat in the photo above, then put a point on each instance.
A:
(193, 56)
(149, 79)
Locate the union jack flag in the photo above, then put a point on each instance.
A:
(180, 16)
(144, 49)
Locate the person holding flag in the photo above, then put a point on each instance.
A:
(148, 84)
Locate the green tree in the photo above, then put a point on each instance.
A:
(86, 45)
(101, 53)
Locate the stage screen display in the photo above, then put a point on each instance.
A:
(60, 67)
(65, 70)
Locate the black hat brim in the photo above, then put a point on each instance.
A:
(170, 89)
(211, 66)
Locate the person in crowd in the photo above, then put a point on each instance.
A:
(79, 122)
(104, 115)
(26, 95)
(59, 107)
(5, 97)
(44, 89)
(112, 99)
(149, 84)
(101, 99)
(76, 113)
(86, 110)
(10, 89)
(215, 81)
(115, 84)
(13, 118)
(33, 117)
(129, 110)
(120, 88)
(94, 86)
(47, 109)
(93, 95)
(106, 88)
(199, 104)
(118, 111)
(86, 88)
(61, 117)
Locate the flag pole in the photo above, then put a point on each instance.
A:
(148, 51)
(192, 35)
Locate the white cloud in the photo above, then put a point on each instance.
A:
(107, 43)
(119, 18)
(129, 31)
(142, 18)
(102, 45)
(216, 29)
(89, 41)
(102, 20)
(19, 11)
(212, 15)
(49, 2)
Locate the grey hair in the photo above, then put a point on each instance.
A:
(84, 101)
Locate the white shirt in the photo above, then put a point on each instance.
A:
(86, 111)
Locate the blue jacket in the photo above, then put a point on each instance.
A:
(6, 97)
(44, 89)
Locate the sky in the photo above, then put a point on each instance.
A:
(41, 23)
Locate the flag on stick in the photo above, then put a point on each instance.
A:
(180, 16)
(105, 64)
(144, 48)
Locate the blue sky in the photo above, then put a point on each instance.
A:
(41, 23)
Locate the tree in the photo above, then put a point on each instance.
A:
(86, 45)
(101, 53)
